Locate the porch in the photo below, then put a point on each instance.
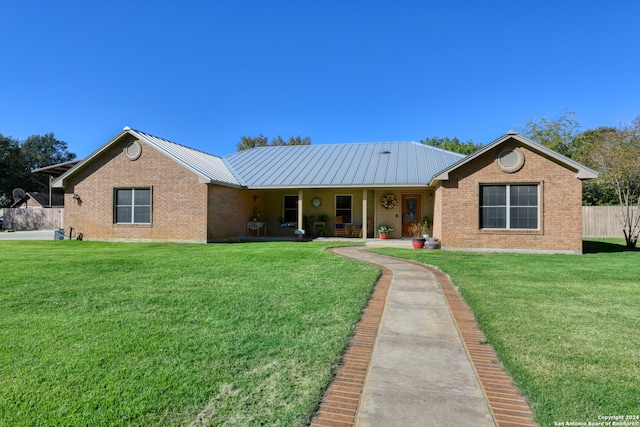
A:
(282, 212)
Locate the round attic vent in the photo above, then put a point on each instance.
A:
(511, 160)
(133, 150)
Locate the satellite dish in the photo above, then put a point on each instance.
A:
(18, 193)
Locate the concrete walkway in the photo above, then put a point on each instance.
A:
(420, 370)
(420, 373)
(27, 235)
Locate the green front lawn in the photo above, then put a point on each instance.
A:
(566, 327)
(168, 334)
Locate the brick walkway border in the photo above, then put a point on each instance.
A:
(341, 400)
(339, 405)
(509, 407)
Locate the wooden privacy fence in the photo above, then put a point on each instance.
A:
(33, 218)
(601, 221)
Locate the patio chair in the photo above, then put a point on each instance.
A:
(340, 228)
(357, 229)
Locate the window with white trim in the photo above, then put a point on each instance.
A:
(510, 206)
(344, 207)
(290, 209)
(132, 206)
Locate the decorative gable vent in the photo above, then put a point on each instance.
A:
(511, 160)
(133, 150)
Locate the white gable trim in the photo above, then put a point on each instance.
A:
(582, 172)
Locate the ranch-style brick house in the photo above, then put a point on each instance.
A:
(513, 194)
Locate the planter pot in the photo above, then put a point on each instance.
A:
(383, 235)
(431, 244)
(418, 242)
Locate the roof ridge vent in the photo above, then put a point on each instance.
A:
(512, 132)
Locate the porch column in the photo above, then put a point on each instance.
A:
(300, 209)
(365, 231)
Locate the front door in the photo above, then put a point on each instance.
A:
(410, 211)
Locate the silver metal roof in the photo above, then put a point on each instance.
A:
(211, 168)
(301, 166)
(340, 165)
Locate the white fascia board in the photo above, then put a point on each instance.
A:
(315, 187)
(582, 172)
(59, 181)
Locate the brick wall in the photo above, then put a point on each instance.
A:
(230, 209)
(179, 200)
(457, 218)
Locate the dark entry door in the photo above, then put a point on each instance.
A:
(411, 211)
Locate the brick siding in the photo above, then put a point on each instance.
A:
(179, 199)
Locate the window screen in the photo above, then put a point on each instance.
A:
(133, 206)
(517, 211)
(290, 213)
(343, 208)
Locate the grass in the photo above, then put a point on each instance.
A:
(172, 334)
(565, 326)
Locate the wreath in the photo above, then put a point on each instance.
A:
(388, 201)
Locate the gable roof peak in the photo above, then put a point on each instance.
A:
(208, 167)
(582, 172)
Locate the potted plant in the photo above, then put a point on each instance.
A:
(324, 231)
(417, 231)
(426, 226)
(384, 230)
(323, 218)
(256, 213)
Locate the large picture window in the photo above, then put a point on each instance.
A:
(509, 206)
(133, 206)
(343, 207)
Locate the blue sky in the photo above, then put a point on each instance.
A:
(205, 73)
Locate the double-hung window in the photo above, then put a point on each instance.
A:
(290, 211)
(133, 206)
(510, 206)
(343, 207)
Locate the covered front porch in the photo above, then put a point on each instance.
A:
(317, 212)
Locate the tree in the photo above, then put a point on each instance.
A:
(454, 144)
(45, 150)
(247, 142)
(617, 158)
(297, 140)
(18, 159)
(40, 151)
(594, 192)
(558, 134)
(13, 168)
